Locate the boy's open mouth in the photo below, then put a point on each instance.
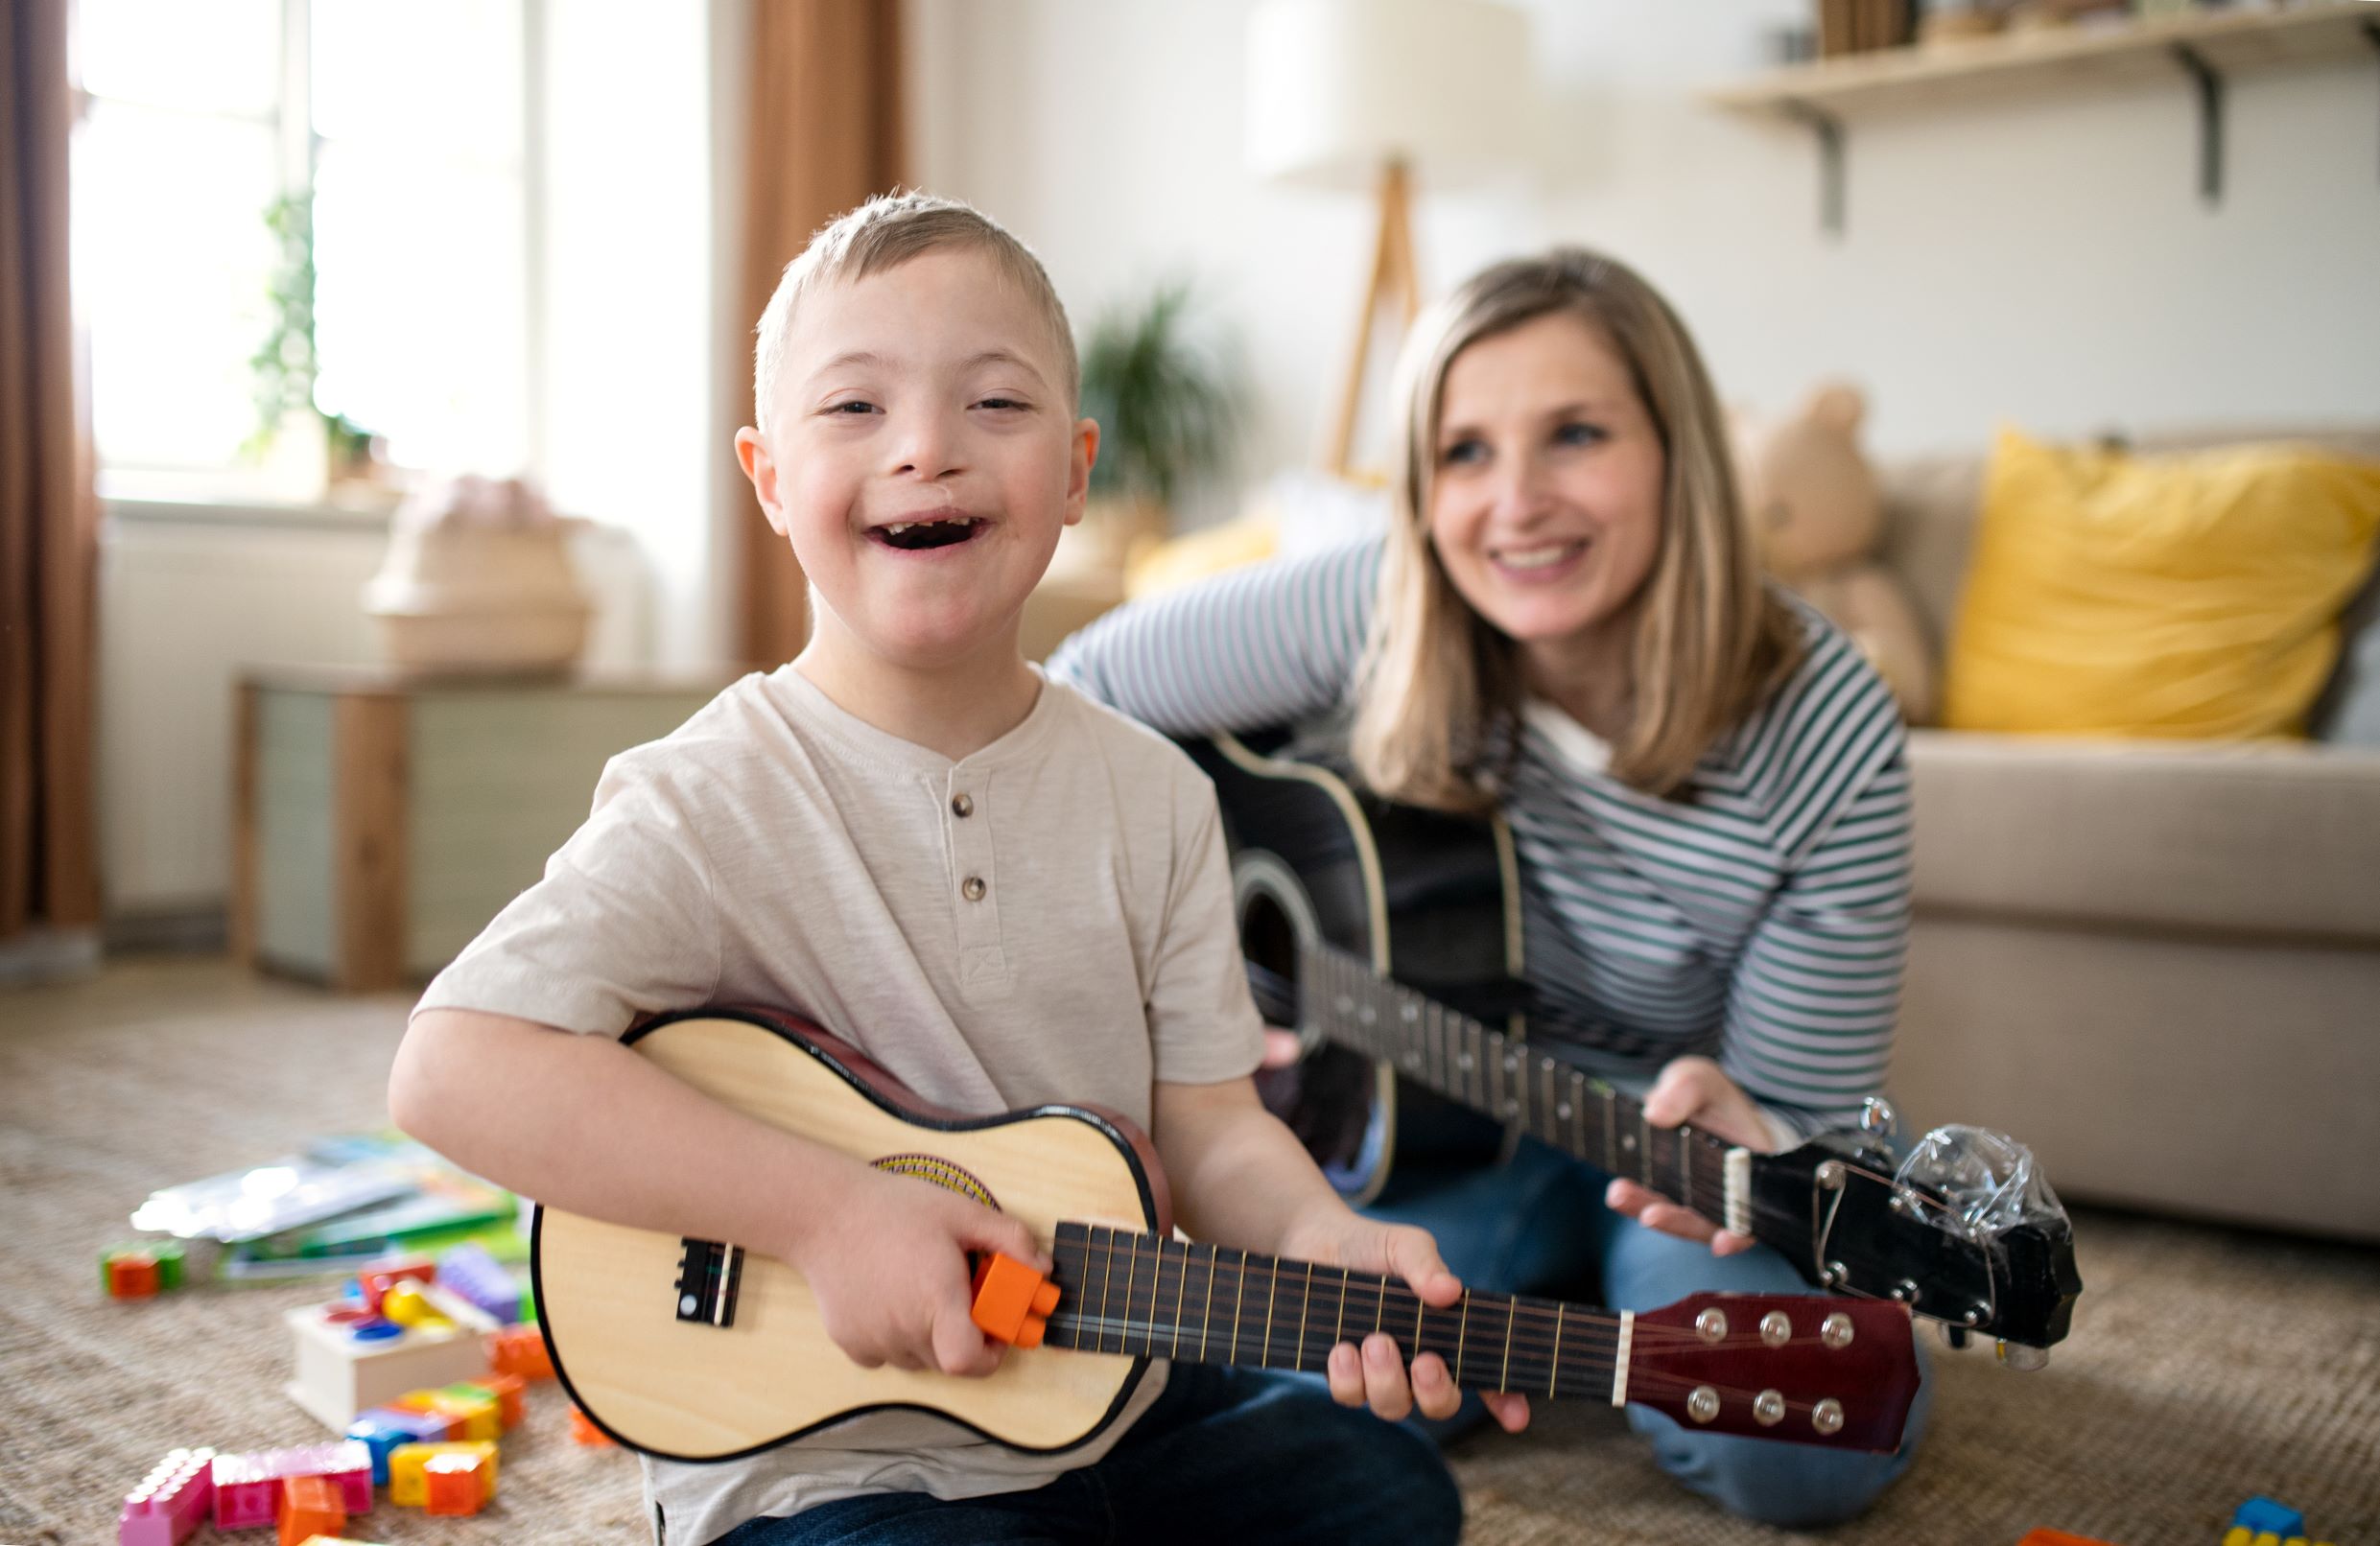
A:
(911, 535)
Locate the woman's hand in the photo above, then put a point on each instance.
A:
(889, 1270)
(1373, 1374)
(1693, 1089)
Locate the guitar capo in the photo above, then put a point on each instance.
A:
(1012, 1301)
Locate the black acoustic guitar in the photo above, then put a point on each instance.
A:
(1390, 938)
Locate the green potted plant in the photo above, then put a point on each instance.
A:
(286, 363)
(1169, 410)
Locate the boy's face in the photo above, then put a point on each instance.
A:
(924, 458)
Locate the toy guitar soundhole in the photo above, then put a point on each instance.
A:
(697, 1351)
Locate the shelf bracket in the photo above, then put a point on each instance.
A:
(2209, 121)
(1831, 190)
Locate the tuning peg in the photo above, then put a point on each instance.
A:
(2024, 1360)
(1877, 1119)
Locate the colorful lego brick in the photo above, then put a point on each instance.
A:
(1012, 1301)
(248, 1488)
(375, 1284)
(521, 1351)
(469, 1273)
(337, 1540)
(456, 1483)
(468, 1416)
(383, 1428)
(140, 1267)
(421, 1405)
(309, 1506)
(585, 1432)
(505, 1389)
(407, 1462)
(169, 1501)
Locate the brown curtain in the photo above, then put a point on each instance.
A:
(826, 135)
(49, 516)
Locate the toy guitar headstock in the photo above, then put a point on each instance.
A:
(1965, 1230)
(1800, 1368)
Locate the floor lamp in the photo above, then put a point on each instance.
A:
(1382, 94)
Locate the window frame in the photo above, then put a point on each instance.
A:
(236, 491)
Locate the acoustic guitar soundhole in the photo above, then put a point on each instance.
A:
(1327, 1100)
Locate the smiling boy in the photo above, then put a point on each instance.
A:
(1000, 891)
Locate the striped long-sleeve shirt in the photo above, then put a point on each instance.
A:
(1758, 917)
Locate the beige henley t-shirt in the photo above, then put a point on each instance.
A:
(1049, 919)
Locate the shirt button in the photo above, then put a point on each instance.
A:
(973, 888)
(962, 805)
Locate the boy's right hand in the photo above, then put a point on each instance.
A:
(889, 1270)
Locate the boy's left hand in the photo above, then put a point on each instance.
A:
(1373, 1373)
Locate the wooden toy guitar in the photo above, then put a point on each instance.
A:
(1390, 938)
(697, 1351)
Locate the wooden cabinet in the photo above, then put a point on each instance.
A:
(380, 821)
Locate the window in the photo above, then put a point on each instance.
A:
(405, 120)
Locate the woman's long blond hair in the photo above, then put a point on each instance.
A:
(1439, 691)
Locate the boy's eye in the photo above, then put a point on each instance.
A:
(1463, 451)
(858, 404)
(1003, 403)
(1577, 433)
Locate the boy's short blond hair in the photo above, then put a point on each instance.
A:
(883, 233)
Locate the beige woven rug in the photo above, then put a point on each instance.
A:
(2205, 1363)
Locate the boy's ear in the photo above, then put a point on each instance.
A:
(761, 467)
(1086, 454)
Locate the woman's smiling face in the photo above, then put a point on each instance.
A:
(1546, 491)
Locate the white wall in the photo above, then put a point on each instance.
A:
(2041, 259)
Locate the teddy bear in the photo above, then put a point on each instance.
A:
(1817, 514)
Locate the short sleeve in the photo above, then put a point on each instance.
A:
(624, 922)
(1202, 1025)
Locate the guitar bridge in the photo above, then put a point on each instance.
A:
(708, 1272)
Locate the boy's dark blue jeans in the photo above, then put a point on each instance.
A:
(1231, 1456)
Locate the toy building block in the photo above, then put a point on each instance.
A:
(2059, 1537)
(336, 1540)
(455, 1484)
(505, 1389)
(1012, 1301)
(582, 1431)
(169, 1501)
(309, 1506)
(469, 1273)
(373, 1285)
(383, 1428)
(248, 1488)
(346, 1360)
(521, 1351)
(140, 1269)
(467, 1416)
(407, 1463)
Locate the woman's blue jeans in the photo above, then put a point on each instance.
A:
(1226, 1456)
(1538, 1225)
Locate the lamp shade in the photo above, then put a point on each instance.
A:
(1338, 87)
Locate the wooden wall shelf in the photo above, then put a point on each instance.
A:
(2201, 52)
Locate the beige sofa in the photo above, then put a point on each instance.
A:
(2157, 964)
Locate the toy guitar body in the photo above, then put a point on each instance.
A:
(1390, 939)
(697, 1351)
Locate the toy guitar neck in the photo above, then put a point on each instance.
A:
(696, 1350)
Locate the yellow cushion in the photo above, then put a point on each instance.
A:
(1197, 554)
(2192, 595)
